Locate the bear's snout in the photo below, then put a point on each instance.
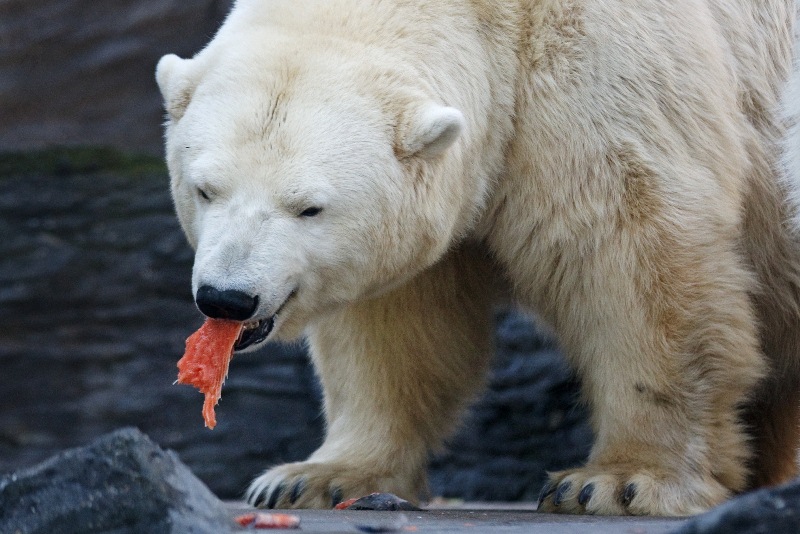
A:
(226, 304)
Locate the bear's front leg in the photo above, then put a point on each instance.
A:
(666, 347)
(396, 372)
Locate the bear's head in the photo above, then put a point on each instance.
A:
(306, 181)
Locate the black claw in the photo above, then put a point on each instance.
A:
(586, 494)
(628, 494)
(275, 495)
(547, 490)
(297, 490)
(258, 501)
(336, 497)
(561, 493)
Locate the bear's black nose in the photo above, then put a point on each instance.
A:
(228, 304)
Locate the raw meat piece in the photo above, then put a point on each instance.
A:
(205, 363)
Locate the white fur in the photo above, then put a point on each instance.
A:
(173, 76)
(433, 130)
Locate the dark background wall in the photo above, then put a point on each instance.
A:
(78, 72)
(94, 279)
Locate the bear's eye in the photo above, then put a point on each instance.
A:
(203, 194)
(310, 212)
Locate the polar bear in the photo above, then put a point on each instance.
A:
(373, 175)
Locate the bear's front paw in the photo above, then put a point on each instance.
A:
(323, 485)
(621, 490)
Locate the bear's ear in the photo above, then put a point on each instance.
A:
(431, 130)
(177, 82)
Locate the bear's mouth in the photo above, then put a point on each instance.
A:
(254, 333)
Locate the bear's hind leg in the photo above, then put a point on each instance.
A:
(396, 372)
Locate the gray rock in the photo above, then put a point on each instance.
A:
(121, 483)
(766, 511)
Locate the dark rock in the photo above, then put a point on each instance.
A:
(766, 511)
(382, 502)
(121, 483)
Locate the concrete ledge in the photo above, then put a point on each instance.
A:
(476, 518)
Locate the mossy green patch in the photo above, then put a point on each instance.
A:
(65, 161)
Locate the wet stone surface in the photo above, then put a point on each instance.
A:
(95, 306)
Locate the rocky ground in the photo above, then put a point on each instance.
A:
(125, 484)
(95, 305)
